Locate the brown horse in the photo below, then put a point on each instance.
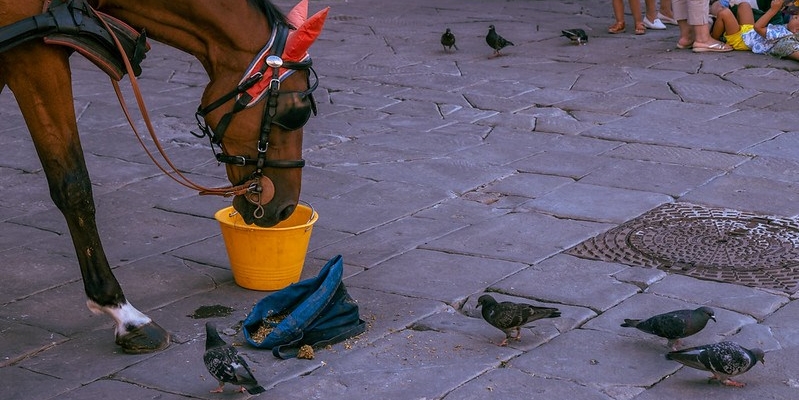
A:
(225, 36)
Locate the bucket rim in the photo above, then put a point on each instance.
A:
(223, 216)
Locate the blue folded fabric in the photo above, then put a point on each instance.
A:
(318, 312)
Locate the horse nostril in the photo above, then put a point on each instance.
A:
(286, 212)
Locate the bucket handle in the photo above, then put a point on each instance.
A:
(313, 212)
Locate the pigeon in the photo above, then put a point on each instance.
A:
(226, 365)
(495, 41)
(674, 325)
(448, 40)
(509, 316)
(577, 36)
(724, 360)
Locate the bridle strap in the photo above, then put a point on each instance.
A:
(172, 172)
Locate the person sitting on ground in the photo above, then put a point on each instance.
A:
(730, 27)
(761, 37)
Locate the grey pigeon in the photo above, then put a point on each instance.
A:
(509, 316)
(724, 360)
(577, 36)
(448, 40)
(226, 365)
(674, 325)
(495, 41)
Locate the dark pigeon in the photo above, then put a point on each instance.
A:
(577, 36)
(674, 325)
(724, 360)
(226, 365)
(448, 40)
(495, 41)
(510, 317)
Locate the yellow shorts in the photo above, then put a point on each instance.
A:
(736, 40)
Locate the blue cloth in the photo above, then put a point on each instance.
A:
(318, 311)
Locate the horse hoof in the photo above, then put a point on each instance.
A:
(142, 339)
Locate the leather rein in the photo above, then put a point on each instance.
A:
(258, 189)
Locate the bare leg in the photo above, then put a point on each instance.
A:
(618, 10)
(745, 15)
(726, 23)
(665, 8)
(794, 56)
(651, 11)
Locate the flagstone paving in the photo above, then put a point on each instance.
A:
(437, 176)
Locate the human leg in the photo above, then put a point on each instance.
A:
(680, 9)
(697, 18)
(651, 20)
(744, 14)
(725, 24)
(635, 10)
(618, 13)
(666, 14)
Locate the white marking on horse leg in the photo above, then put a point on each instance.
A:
(125, 315)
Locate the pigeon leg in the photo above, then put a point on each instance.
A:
(730, 382)
(242, 389)
(220, 389)
(727, 381)
(518, 333)
(674, 344)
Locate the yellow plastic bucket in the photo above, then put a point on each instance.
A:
(267, 258)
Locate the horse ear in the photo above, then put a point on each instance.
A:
(300, 40)
(298, 14)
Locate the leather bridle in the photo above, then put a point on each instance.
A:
(267, 63)
(257, 188)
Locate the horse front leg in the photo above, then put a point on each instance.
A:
(45, 100)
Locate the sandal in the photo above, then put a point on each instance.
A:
(711, 48)
(640, 29)
(618, 27)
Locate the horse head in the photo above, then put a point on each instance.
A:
(259, 125)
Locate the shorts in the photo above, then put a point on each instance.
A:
(736, 39)
(785, 47)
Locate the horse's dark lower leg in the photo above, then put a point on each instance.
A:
(46, 104)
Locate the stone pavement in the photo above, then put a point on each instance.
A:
(437, 176)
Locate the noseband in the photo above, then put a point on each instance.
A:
(251, 90)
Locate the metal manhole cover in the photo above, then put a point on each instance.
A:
(707, 243)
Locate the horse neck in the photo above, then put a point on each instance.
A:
(224, 35)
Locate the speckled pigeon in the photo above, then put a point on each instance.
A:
(724, 360)
(448, 40)
(674, 325)
(577, 36)
(226, 365)
(496, 41)
(509, 316)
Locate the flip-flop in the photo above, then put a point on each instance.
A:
(685, 46)
(711, 48)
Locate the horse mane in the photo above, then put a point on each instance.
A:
(272, 13)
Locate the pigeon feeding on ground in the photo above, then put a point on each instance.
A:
(226, 365)
(495, 41)
(509, 316)
(724, 360)
(448, 40)
(674, 325)
(577, 36)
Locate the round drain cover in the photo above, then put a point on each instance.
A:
(718, 244)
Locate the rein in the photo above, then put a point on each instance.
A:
(258, 189)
